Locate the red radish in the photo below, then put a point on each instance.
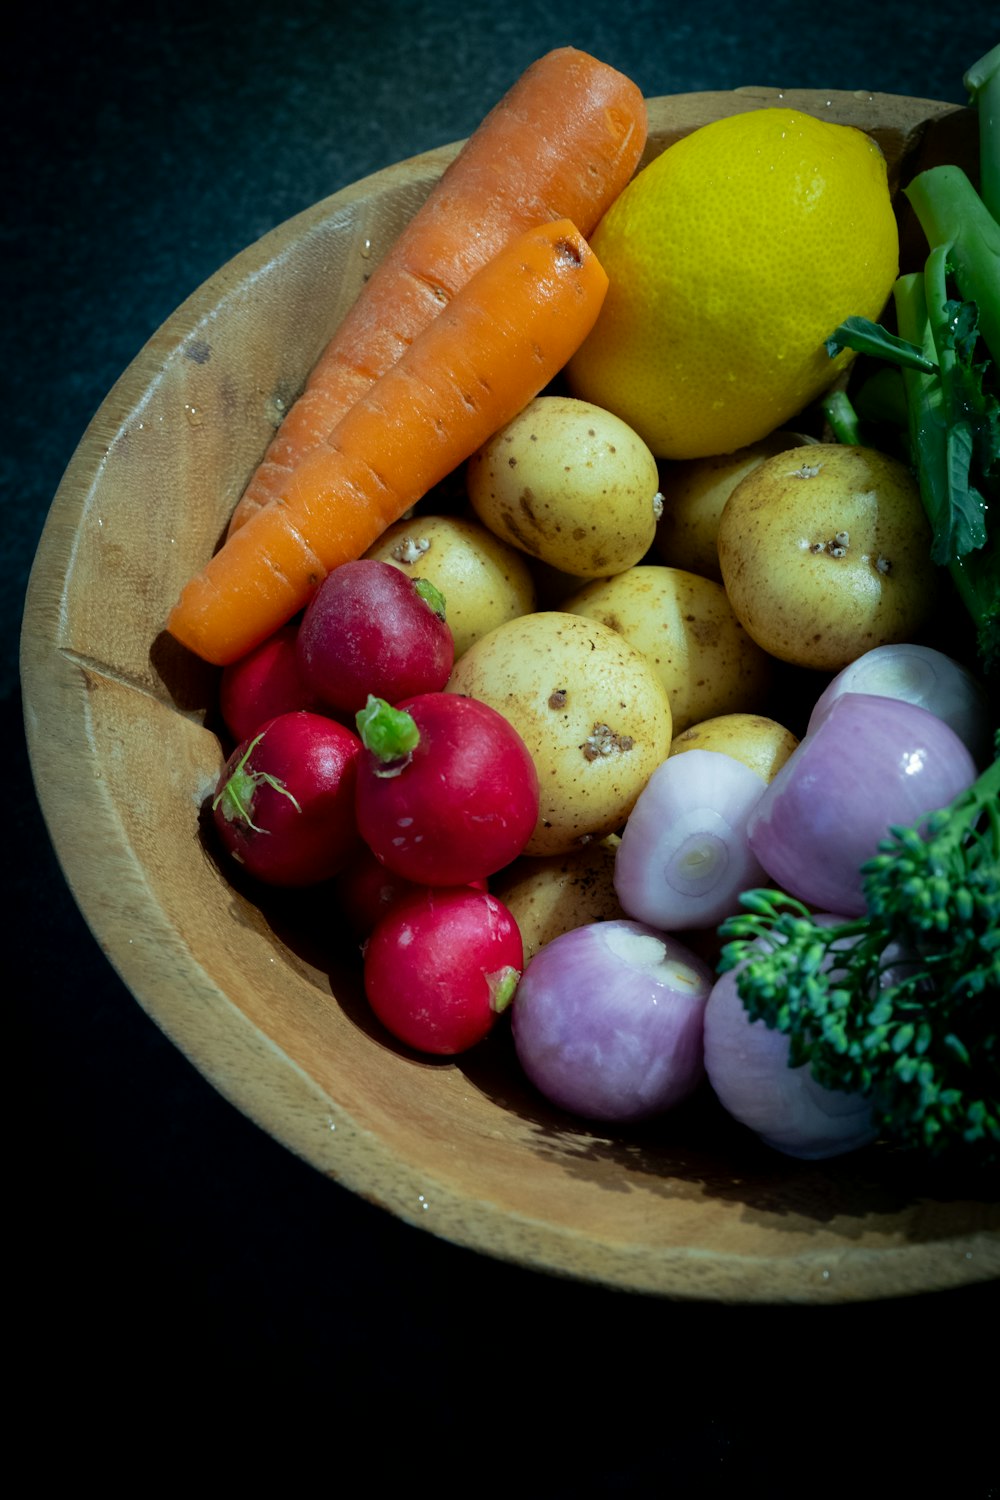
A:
(447, 789)
(441, 966)
(284, 805)
(366, 890)
(264, 683)
(370, 628)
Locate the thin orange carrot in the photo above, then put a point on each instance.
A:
(498, 343)
(561, 144)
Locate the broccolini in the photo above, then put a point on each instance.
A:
(902, 1004)
(948, 348)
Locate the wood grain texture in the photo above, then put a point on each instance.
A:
(118, 722)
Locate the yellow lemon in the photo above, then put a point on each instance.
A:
(731, 257)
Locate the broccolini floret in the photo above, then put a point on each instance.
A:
(902, 1004)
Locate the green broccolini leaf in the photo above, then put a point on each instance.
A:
(965, 530)
(968, 412)
(866, 337)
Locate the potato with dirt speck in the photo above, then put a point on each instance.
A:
(683, 623)
(590, 708)
(570, 484)
(825, 554)
(483, 580)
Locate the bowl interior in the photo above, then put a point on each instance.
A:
(263, 996)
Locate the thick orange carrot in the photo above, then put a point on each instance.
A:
(498, 343)
(561, 144)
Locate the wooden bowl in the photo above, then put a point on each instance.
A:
(118, 725)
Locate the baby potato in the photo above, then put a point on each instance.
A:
(760, 743)
(684, 625)
(695, 491)
(482, 580)
(591, 710)
(551, 895)
(570, 484)
(825, 553)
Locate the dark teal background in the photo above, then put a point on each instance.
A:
(182, 1274)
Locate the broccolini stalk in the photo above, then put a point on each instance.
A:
(949, 351)
(957, 222)
(907, 1008)
(843, 419)
(943, 445)
(982, 84)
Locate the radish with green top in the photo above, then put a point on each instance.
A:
(447, 791)
(441, 967)
(284, 804)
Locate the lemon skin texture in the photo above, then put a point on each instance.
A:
(731, 258)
